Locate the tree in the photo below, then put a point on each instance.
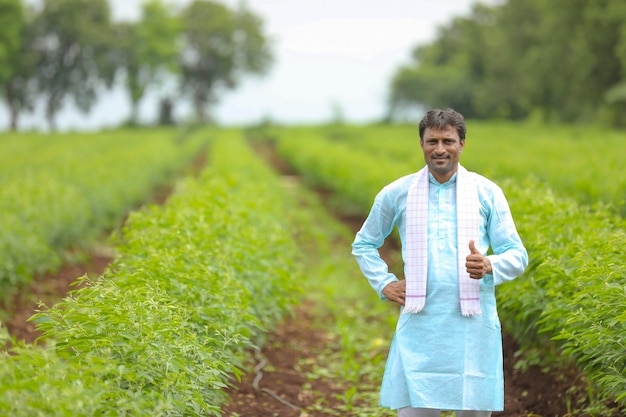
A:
(147, 50)
(615, 96)
(562, 59)
(73, 44)
(219, 46)
(571, 61)
(431, 87)
(503, 88)
(447, 72)
(11, 24)
(16, 58)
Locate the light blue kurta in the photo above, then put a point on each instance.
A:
(439, 358)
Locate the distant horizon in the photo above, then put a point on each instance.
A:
(328, 56)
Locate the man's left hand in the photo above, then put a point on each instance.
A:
(476, 264)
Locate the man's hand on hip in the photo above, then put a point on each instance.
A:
(396, 292)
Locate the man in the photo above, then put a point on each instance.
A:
(447, 350)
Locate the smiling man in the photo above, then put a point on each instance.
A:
(446, 353)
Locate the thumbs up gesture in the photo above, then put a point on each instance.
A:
(476, 264)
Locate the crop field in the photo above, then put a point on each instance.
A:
(64, 191)
(201, 286)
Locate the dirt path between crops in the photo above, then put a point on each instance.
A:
(278, 389)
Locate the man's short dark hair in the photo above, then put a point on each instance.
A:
(440, 119)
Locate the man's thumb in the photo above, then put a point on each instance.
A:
(472, 248)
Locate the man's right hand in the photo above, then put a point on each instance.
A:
(396, 292)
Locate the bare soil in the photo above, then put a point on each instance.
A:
(47, 289)
(298, 341)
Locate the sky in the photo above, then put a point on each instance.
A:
(330, 56)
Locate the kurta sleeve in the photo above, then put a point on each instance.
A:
(509, 258)
(377, 226)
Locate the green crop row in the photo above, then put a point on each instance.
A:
(582, 162)
(64, 190)
(194, 285)
(574, 292)
(571, 298)
(350, 172)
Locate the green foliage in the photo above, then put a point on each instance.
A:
(198, 281)
(147, 50)
(571, 158)
(520, 57)
(17, 60)
(72, 46)
(195, 283)
(219, 46)
(432, 87)
(67, 190)
(574, 290)
(615, 99)
(11, 22)
(70, 49)
(319, 166)
(446, 73)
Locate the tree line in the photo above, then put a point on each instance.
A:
(64, 50)
(556, 60)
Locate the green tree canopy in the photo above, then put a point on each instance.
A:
(11, 24)
(556, 58)
(444, 73)
(219, 46)
(16, 58)
(73, 45)
(147, 50)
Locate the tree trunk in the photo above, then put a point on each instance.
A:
(134, 113)
(51, 120)
(51, 111)
(15, 117)
(14, 108)
(166, 112)
(199, 108)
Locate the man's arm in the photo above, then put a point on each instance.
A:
(509, 258)
(378, 225)
(396, 292)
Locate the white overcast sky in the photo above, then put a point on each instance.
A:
(328, 54)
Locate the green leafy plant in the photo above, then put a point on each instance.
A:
(67, 190)
(196, 284)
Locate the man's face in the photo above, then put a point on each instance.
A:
(442, 150)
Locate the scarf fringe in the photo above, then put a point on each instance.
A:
(412, 309)
(471, 312)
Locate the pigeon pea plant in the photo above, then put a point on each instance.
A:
(196, 283)
(572, 297)
(66, 190)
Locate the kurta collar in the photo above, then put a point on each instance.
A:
(448, 183)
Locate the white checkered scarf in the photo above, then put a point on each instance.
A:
(468, 219)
